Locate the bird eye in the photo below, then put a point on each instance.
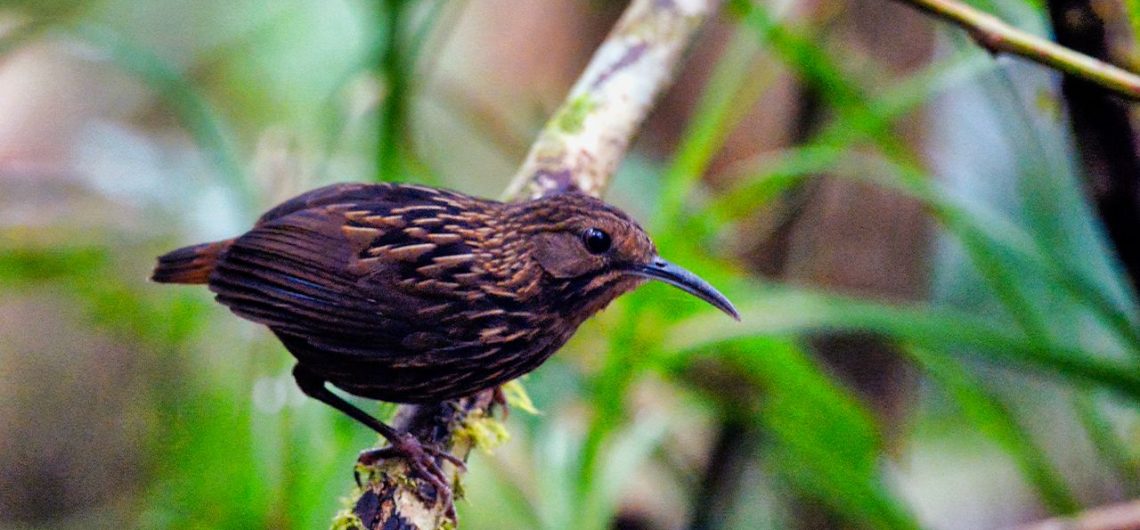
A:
(596, 240)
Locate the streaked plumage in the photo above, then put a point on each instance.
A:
(411, 294)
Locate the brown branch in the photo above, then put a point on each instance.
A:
(581, 145)
(390, 501)
(1124, 516)
(998, 37)
(579, 149)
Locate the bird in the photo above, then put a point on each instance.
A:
(411, 294)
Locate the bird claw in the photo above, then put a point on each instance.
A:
(499, 399)
(422, 463)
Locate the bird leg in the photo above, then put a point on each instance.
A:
(423, 460)
(420, 458)
(499, 399)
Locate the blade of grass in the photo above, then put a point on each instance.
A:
(826, 151)
(987, 251)
(855, 109)
(983, 233)
(986, 233)
(767, 179)
(1055, 209)
(1001, 278)
(176, 90)
(990, 417)
(859, 118)
(731, 90)
(1132, 7)
(608, 392)
(1107, 443)
(820, 438)
(336, 123)
(393, 68)
(436, 13)
(735, 85)
(818, 68)
(785, 311)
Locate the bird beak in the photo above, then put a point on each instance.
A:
(659, 269)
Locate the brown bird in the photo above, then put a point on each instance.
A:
(410, 294)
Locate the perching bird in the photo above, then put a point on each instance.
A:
(410, 294)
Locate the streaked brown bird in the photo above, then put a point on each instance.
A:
(410, 294)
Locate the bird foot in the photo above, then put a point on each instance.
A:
(423, 462)
(499, 400)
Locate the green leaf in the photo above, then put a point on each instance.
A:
(517, 397)
(1002, 251)
(184, 98)
(995, 421)
(732, 90)
(1114, 452)
(819, 437)
(175, 89)
(784, 311)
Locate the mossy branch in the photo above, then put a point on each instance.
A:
(587, 137)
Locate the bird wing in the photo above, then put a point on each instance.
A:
(356, 269)
(352, 192)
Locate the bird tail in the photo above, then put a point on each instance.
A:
(191, 264)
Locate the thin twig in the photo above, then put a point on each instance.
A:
(998, 37)
(579, 149)
(1125, 516)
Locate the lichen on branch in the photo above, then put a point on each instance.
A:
(581, 146)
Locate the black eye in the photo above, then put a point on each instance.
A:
(596, 240)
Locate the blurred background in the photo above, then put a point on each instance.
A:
(933, 251)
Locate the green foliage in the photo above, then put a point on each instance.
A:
(1053, 307)
(823, 441)
(995, 421)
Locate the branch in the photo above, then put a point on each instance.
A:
(579, 149)
(998, 37)
(1123, 516)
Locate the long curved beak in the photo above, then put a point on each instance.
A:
(659, 269)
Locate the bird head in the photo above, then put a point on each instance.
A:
(593, 252)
